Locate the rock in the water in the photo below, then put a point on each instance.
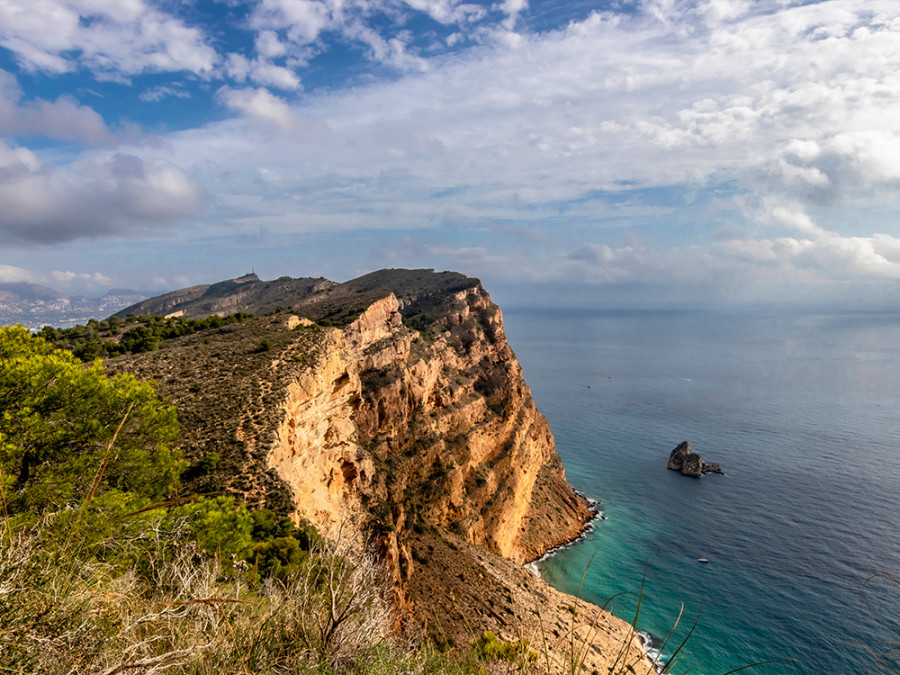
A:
(677, 456)
(684, 460)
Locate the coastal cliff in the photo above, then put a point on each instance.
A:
(391, 409)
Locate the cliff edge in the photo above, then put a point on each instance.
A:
(394, 406)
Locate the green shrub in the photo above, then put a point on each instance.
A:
(517, 653)
(210, 462)
(70, 433)
(278, 558)
(220, 525)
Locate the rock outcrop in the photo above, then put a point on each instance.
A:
(394, 407)
(683, 459)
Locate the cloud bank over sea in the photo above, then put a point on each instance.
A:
(664, 150)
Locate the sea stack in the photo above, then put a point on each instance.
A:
(684, 460)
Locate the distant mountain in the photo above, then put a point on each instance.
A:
(315, 298)
(25, 292)
(35, 306)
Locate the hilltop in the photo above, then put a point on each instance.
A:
(416, 290)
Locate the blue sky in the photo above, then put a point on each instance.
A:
(612, 153)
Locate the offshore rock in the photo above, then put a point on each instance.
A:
(683, 459)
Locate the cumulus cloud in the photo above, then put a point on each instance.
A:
(63, 119)
(294, 29)
(12, 274)
(269, 46)
(730, 270)
(261, 71)
(793, 216)
(81, 279)
(450, 11)
(302, 20)
(588, 105)
(828, 253)
(719, 131)
(266, 111)
(66, 281)
(513, 8)
(110, 195)
(113, 39)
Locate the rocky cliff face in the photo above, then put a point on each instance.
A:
(409, 422)
(421, 431)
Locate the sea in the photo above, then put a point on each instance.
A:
(801, 533)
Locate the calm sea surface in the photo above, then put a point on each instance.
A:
(803, 414)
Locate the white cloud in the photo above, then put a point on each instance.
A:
(810, 176)
(65, 281)
(449, 11)
(10, 274)
(612, 100)
(82, 279)
(767, 119)
(162, 92)
(269, 46)
(109, 195)
(261, 71)
(296, 29)
(513, 8)
(113, 39)
(872, 155)
(795, 217)
(302, 19)
(390, 51)
(262, 107)
(64, 118)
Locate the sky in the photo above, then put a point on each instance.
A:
(608, 153)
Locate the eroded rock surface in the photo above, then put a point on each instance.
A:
(683, 459)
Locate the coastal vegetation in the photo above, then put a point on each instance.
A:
(131, 335)
(106, 567)
(102, 562)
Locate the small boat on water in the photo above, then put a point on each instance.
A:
(703, 560)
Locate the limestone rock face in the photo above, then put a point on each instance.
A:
(683, 459)
(425, 432)
(414, 428)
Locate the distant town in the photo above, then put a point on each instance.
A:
(35, 306)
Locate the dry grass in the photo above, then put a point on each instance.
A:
(157, 603)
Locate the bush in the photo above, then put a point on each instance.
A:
(517, 655)
(278, 558)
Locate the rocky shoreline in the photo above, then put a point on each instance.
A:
(642, 640)
(587, 528)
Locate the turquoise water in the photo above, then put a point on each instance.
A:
(802, 412)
